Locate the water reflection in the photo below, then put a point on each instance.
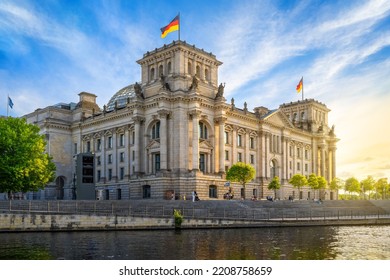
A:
(313, 243)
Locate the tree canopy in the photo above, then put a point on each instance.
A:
(274, 184)
(352, 185)
(336, 184)
(24, 164)
(241, 172)
(298, 181)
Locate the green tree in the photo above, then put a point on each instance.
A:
(274, 185)
(24, 165)
(242, 173)
(312, 181)
(367, 185)
(336, 184)
(381, 187)
(298, 181)
(352, 185)
(322, 183)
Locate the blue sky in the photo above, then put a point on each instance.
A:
(52, 50)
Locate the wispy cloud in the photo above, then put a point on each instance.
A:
(340, 47)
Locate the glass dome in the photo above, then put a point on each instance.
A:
(121, 98)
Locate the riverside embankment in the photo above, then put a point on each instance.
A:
(148, 214)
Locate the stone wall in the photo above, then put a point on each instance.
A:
(52, 222)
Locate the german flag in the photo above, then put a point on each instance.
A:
(300, 86)
(172, 26)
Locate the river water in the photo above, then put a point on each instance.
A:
(288, 243)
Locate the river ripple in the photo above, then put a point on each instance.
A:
(288, 243)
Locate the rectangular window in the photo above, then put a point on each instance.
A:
(226, 155)
(122, 157)
(109, 142)
(202, 162)
(157, 162)
(88, 146)
(306, 167)
(98, 144)
(239, 157)
(298, 166)
(109, 159)
(110, 174)
(121, 140)
(133, 155)
(252, 143)
(306, 154)
(75, 148)
(226, 137)
(122, 173)
(252, 159)
(133, 137)
(98, 160)
(298, 152)
(291, 151)
(290, 163)
(239, 140)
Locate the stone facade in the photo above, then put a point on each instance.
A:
(173, 133)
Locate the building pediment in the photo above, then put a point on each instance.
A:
(205, 144)
(153, 144)
(277, 118)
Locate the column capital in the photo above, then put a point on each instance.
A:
(220, 120)
(163, 113)
(196, 113)
(138, 119)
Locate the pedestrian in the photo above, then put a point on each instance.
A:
(196, 196)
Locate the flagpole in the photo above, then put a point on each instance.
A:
(302, 88)
(179, 26)
(7, 104)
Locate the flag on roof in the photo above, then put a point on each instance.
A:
(300, 85)
(172, 26)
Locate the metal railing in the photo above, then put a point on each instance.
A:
(123, 208)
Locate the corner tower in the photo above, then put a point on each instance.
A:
(179, 67)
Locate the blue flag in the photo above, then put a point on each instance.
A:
(10, 103)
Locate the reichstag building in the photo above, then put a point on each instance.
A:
(174, 132)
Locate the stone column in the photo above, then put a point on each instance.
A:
(333, 163)
(127, 155)
(322, 161)
(265, 150)
(163, 139)
(246, 143)
(195, 139)
(137, 129)
(103, 158)
(114, 157)
(234, 145)
(221, 144)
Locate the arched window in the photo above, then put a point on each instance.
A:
(203, 131)
(198, 71)
(207, 74)
(160, 70)
(152, 74)
(156, 130)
